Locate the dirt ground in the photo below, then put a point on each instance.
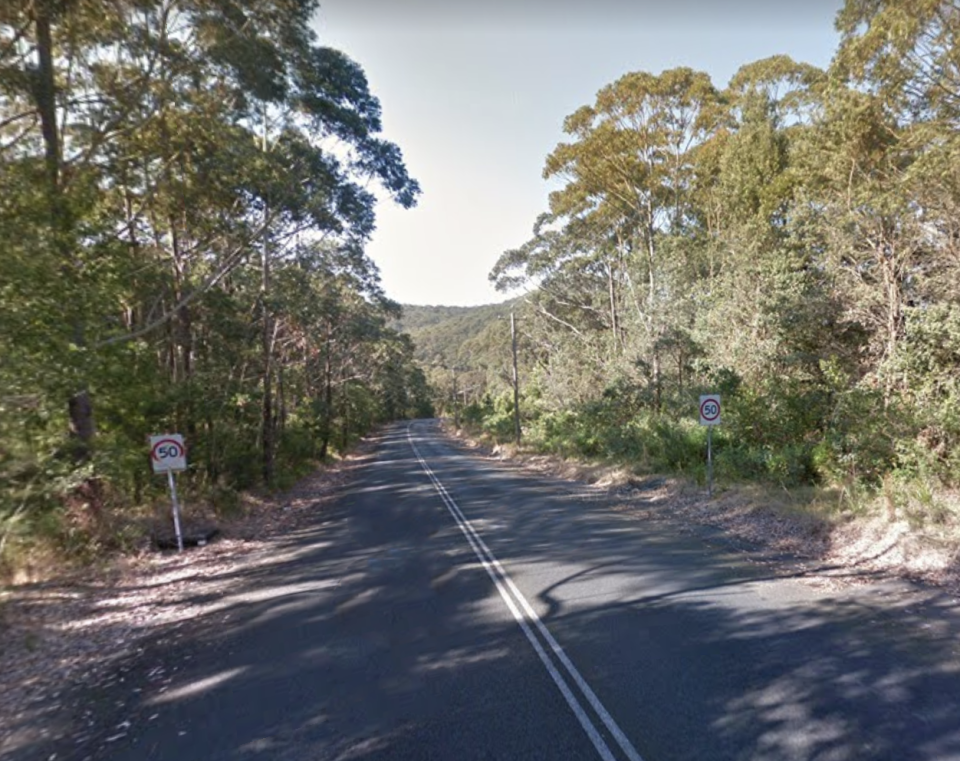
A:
(86, 630)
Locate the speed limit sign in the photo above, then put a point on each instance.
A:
(167, 453)
(710, 409)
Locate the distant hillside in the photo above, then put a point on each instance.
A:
(439, 332)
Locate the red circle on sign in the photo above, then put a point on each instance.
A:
(165, 442)
(704, 415)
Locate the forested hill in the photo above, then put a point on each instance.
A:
(443, 335)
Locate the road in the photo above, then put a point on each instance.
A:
(448, 607)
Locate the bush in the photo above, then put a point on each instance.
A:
(786, 431)
(499, 422)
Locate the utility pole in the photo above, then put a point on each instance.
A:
(456, 401)
(516, 380)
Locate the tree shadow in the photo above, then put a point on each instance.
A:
(377, 635)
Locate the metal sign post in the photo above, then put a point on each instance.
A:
(176, 509)
(710, 462)
(710, 416)
(167, 454)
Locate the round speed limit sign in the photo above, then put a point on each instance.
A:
(167, 453)
(710, 409)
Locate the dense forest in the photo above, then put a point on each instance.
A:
(439, 331)
(185, 201)
(442, 335)
(791, 242)
(184, 204)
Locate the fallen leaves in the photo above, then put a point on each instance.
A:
(85, 631)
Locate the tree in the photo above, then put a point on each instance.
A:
(172, 174)
(768, 309)
(905, 53)
(629, 171)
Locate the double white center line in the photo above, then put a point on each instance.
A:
(552, 656)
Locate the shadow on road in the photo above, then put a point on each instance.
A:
(376, 635)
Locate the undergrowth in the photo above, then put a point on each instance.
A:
(835, 458)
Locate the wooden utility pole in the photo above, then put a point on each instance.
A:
(456, 401)
(516, 380)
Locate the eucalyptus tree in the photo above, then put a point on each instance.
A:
(879, 170)
(765, 303)
(326, 125)
(46, 94)
(167, 156)
(574, 275)
(905, 55)
(899, 63)
(629, 173)
(299, 126)
(904, 51)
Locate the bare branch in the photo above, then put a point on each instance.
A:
(232, 261)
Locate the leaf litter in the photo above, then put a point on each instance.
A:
(84, 632)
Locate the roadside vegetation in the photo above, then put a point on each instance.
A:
(789, 242)
(185, 197)
(184, 205)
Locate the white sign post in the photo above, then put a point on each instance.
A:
(167, 454)
(710, 416)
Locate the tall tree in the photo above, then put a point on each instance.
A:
(629, 174)
(166, 164)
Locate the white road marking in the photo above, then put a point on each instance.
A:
(524, 614)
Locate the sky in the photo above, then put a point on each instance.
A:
(475, 94)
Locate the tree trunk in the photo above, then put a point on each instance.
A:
(266, 419)
(614, 322)
(80, 405)
(281, 420)
(344, 420)
(46, 97)
(81, 418)
(657, 381)
(326, 423)
(653, 320)
(894, 322)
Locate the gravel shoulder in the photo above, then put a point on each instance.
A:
(841, 550)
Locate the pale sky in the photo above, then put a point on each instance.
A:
(475, 94)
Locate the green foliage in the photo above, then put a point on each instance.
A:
(463, 354)
(797, 256)
(497, 422)
(790, 243)
(167, 174)
(440, 333)
(928, 367)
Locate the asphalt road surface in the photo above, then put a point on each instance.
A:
(450, 608)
